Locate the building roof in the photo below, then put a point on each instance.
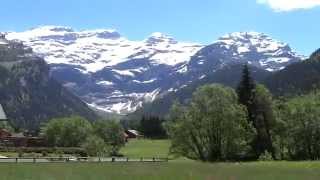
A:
(132, 131)
(3, 115)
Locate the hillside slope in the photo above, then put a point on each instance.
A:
(29, 94)
(297, 78)
(228, 76)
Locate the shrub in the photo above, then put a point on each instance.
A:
(95, 146)
(266, 156)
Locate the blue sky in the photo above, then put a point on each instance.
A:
(293, 21)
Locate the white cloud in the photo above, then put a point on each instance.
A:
(289, 5)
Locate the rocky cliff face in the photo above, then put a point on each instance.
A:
(29, 94)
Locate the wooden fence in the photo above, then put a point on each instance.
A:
(80, 159)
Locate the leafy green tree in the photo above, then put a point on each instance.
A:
(302, 116)
(112, 134)
(280, 130)
(212, 128)
(67, 132)
(95, 146)
(263, 120)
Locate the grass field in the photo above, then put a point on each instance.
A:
(167, 171)
(146, 148)
(173, 170)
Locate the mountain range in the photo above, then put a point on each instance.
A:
(113, 74)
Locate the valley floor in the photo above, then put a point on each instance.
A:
(175, 170)
(179, 169)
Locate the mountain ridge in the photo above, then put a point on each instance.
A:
(113, 74)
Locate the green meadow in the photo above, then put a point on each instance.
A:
(146, 148)
(175, 169)
(163, 171)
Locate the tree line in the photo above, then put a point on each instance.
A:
(99, 138)
(222, 124)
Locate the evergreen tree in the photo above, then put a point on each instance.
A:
(245, 91)
(258, 102)
(152, 127)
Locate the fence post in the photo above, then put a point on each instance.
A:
(16, 160)
(34, 160)
(99, 159)
(154, 159)
(127, 159)
(113, 159)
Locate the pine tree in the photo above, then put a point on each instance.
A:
(258, 103)
(245, 91)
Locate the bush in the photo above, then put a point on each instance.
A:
(67, 132)
(112, 134)
(266, 156)
(44, 153)
(20, 153)
(95, 146)
(59, 153)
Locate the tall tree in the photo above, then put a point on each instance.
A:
(302, 132)
(263, 120)
(212, 128)
(258, 101)
(245, 91)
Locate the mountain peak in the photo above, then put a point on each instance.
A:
(53, 28)
(252, 40)
(249, 34)
(253, 37)
(101, 33)
(158, 37)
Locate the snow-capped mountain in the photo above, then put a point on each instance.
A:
(114, 74)
(254, 48)
(96, 49)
